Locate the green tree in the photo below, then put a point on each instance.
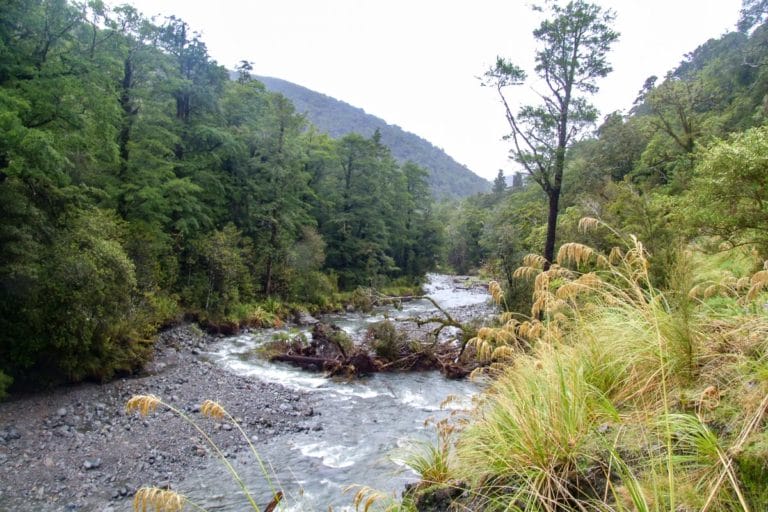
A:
(465, 252)
(575, 40)
(416, 239)
(729, 194)
(356, 228)
(753, 12)
(499, 183)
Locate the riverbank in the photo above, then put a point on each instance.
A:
(75, 448)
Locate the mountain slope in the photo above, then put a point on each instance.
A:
(447, 178)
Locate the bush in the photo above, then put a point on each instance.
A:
(729, 194)
(313, 287)
(362, 300)
(385, 340)
(5, 383)
(75, 317)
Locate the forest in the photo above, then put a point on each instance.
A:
(140, 185)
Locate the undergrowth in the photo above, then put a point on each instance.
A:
(615, 395)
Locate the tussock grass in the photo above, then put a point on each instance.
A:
(162, 500)
(618, 396)
(531, 434)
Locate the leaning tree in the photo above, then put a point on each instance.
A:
(574, 41)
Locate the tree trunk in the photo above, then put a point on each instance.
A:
(549, 245)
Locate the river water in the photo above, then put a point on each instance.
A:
(365, 423)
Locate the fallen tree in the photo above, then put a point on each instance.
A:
(387, 347)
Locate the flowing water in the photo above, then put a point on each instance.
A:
(365, 423)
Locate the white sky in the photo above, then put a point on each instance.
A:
(414, 63)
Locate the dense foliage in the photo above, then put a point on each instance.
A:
(138, 181)
(627, 372)
(684, 164)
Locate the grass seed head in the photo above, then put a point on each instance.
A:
(525, 272)
(157, 500)
(574, 253)
(496, 292)
(588, 223)
(145, 404)
(536, 261)
(213, 410)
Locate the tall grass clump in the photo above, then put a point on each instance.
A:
(617, 395)
(529, 441)
(162, 500)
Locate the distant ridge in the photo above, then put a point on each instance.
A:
(447, 177)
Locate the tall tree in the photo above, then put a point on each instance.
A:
(574, 43)
(499, 183)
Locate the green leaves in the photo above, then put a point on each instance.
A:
(730, 189)
(574, 42)
(504, 73)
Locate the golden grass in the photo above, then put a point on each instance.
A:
(153, 499)
(605, 351)
(158, 498)
(143, 404)
(212, 409)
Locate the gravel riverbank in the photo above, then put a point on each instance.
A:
(76, 449)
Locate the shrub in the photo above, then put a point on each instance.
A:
(5, 383)
(385, 340)
(75, 317)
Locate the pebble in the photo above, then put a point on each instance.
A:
(62, 412)
(92, 464)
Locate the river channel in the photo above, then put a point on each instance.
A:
(363, 425)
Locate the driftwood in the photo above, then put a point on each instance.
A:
(446, 320)
(329, 353)
(357, 365)
(313, 363)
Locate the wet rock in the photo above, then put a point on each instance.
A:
(304, 318)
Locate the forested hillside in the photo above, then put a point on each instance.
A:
(138, 183)
(447, 178)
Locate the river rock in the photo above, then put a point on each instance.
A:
(92, 464)
(304, 318)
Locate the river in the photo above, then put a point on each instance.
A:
(362, 425)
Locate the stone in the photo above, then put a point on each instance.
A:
(62, 412)
(90, 464)
(304, 318)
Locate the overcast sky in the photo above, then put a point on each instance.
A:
(415, 63)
